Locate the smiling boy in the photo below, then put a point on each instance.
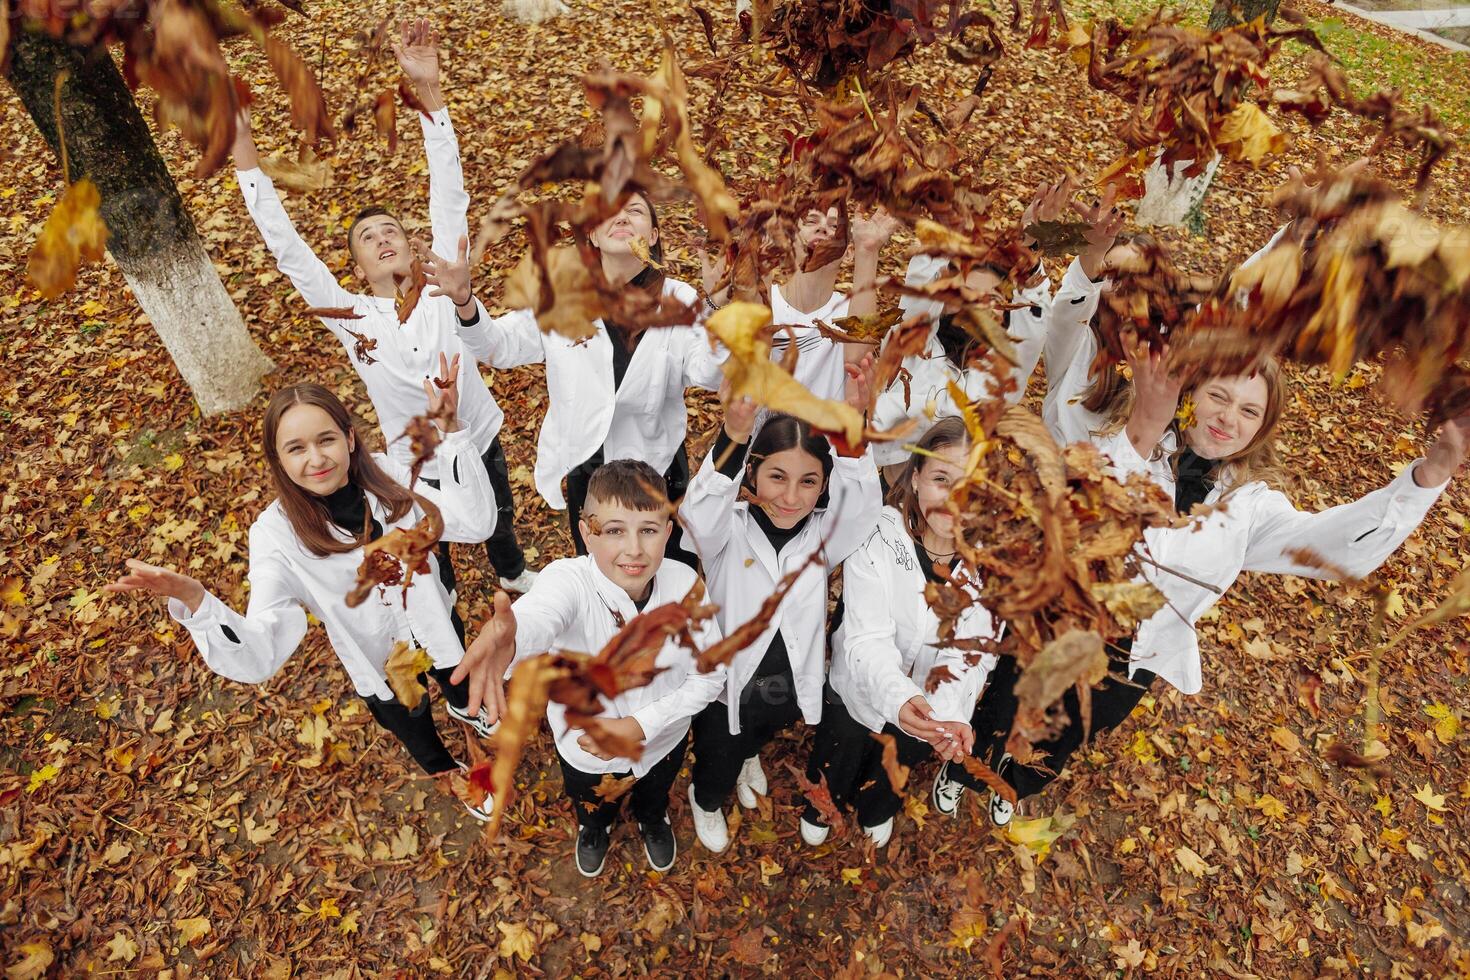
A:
(580, 604)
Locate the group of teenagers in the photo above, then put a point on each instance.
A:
(770, 499)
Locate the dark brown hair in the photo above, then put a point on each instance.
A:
(902, 496)
(308, 512)
(780, 433)
(630, 482)
(371, 211)
(1110, 394)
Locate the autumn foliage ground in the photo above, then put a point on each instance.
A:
(153, 815)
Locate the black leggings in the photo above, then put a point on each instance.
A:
(502, 548)
(415, 728)
(648, 799)
(850, 759)
(767, 707)
(1113, 701)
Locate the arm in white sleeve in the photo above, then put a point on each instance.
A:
(465, 499)
(252, 647)
(702, 360)
(504, 342)
(1354, 538)
(544, 614)
(690, 697)
(856, 502)
(1068, 331)
(869, 635)
(707, 511)
(309, 274)
(449, 202)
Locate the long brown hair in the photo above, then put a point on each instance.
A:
(902, 496)
(1110, 394)
(308, 512)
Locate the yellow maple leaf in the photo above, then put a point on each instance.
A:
(1270, 806)
(191, 929)
(1384, 806)
(173, 461)
(403, 668)
(328, 909)
(516, 940)
(1446, 725)
(1185, 414)
(1249, 134)
(41, 777)
(12, 591)
(1037, 834)
(348, 925)
(73, 234)
(852, 876)
(1430, 798)
(120, 947)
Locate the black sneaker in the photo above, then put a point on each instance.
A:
(592, 844)
(659, 844)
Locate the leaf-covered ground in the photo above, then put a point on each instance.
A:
(154, 816)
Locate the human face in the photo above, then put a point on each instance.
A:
(932, 485)
(787, 485)
(615, 235)
(380, 249)
(626, 544)
(1228, 413)
(815, 230)
(313, 451)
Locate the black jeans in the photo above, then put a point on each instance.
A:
(649, 797)
(502, 548)
(767, 707)
(676, 478)
(850, 759)
(1113, 701)
(415, 728)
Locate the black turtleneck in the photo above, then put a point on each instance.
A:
(926, 564)
(1194, 477)
(347, 508)
(624, 344)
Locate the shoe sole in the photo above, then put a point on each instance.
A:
(702, 843)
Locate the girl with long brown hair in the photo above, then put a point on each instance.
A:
(334, 497)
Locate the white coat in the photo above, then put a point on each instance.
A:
(819, 361)
(886, 647)
(1068, 350)
(287, 582)
(644, 419)
(402, 355)
(1258, 530)
(742, 570)
(571, 607)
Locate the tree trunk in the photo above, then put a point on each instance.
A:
(1222, 16)
(150, 234)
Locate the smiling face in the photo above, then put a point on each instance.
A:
(379, 248)
(788, 484)
(615, 235)
(627, 544)
(932, 485)
(815, 230)
(1228, 412)
(313, 451)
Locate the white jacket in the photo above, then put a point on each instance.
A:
(645, 419)
(926, 398)
(884, 650)
(571, 607)
(819, 361)
(287, 582)
(393, 371)
(1068, 350)
(1259, 530)
(742, 570)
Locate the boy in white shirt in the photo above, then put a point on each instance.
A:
(579, 604)
(390, 357)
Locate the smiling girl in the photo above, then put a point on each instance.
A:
(890, 674)
(333, 497)
(619, 394)
(754, 518)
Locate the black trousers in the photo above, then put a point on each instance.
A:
(850, 759)
(1112, 702)
(415, 728)
(502, 548)
(677, 480)
(767, 707)
(648, 799)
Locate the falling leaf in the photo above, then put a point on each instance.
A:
(405, 664)
(898, 774)
(73, 234)
(1038, 834)
(1248, 134)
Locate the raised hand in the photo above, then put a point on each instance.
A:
(871, 233)
(860, 383)
(1155, 393)
(417, 51)
(143, 577)
(1105, 221)
(1446, 455)
(1050, 201)
(711, 273)
(443, 393)
(487, 659)
(449, 278)
(243, 149)
(740, 412)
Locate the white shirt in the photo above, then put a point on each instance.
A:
(571, 608)
(1258, 530)
(645, 418)
(1068, 350)
(287, 582)
(924, 394)
(888, 643)
(405, 354)
(743, 569)
(819, 361)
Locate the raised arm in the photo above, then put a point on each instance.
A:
(707, 511)
(869, 235)
(854, 491)
(417, 51)
(309, 274)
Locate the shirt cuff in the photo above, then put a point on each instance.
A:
(1077, 279)
(202, 617)
(437, 122)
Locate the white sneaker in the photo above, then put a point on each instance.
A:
(813, 834)
(880, 834)
(1000, 811)
(751, 782)
(482, 812)
(521, 583)
(947, 792)
(709, 826)
(480, 722)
